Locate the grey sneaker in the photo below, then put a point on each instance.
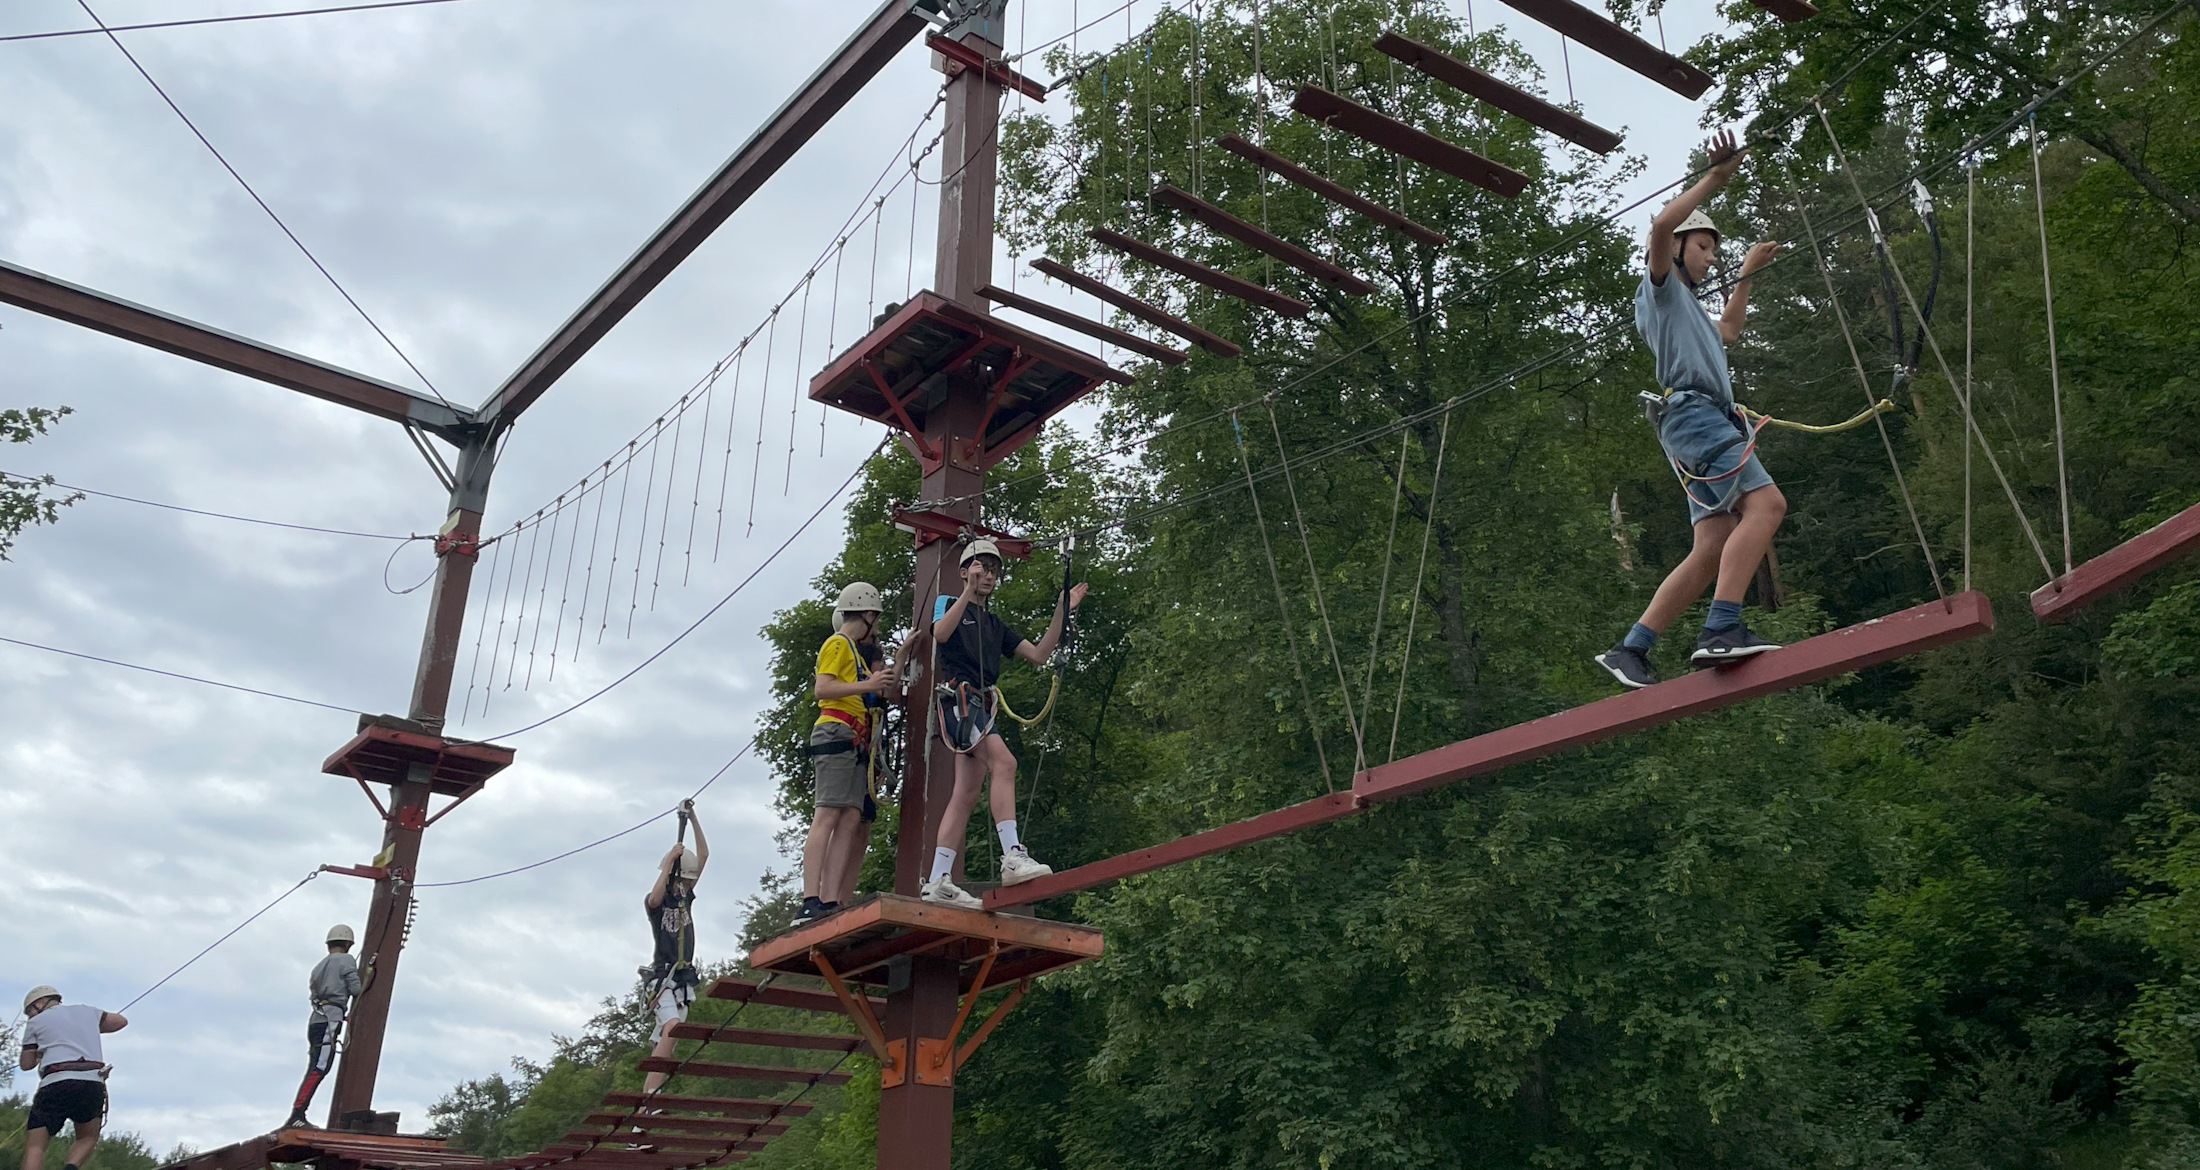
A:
(947, 893)
(1018, 867)
(1732, 644)
(1629, 665)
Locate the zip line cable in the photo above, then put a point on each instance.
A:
(233, 173)
(177, 675)
(115, 28)
(209, 949)
(9, 476)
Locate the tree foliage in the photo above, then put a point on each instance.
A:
(27, 500)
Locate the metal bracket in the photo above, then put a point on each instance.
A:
(411, 816)
(370, 872)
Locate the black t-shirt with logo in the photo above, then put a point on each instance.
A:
(974, 653)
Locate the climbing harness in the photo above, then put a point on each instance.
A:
(966, 715)
(1749, 424)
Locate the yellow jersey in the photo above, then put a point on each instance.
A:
(837, 658)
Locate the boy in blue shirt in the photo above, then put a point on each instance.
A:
(1733, 504)
(972, 644)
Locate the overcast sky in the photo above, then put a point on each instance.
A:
(470, 171)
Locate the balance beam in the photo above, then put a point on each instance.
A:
(1851, 648)
(2118, 567)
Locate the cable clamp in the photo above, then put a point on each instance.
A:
(465, 544)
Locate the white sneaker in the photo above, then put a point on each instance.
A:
(1018, 867)
(947, 893)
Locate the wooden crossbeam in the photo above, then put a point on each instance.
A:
(1151, 314)
(762, 1037)
(1395, 136)
(2118, 567)
(664, 1141)
(1852, 648)
(725, 1106)
(739, 1072)
(715, 1125)
(1789, 11)
(1345, 197)
(743, 991)
(1608, 38)
(1518, 102)
(1085, 325)
(1169, 195)
(1221, 282)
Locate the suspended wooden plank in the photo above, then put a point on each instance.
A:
(716, 1034)
(1344, 197)
(1394, 135)
(739, 1072)
(1604, 36)
(725, 1106)
(743, 991)
(1519, 103)
(1085, 325)
(1911, 631)
(1221, 282)
(1789, 11)
(2120, 566)
(1238, 229)
(1151, 314)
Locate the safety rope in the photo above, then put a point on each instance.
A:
(1313, 576)
(1883, 406)
(1382, 592)
(1405, 666)
(2054, 365)
(1932, 342)
(1863, 380)
(1283, 608)
(1970, 202)
(1002, 701)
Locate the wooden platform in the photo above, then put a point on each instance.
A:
(899, 374)
(859, 941)
(384, 752)
(334, 1150)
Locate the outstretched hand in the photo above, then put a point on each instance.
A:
(1726, 156)
(1760, 254)
(1077, 594)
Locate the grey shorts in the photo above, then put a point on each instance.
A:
(841, 780)
(1699, 436)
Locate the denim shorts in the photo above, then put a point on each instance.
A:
(1692, 429)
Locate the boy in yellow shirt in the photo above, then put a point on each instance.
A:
(848, 699)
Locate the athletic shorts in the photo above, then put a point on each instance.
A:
(671, 1004)
(65, 1101)
(840, 774)
(965, 726)
(1699, 436)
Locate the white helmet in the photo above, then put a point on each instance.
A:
(42, 991)
(979, 548)
(1697, 221)
(690, 866)
(861, 597)
(341, 933)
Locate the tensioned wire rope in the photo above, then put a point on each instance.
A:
(239, 19)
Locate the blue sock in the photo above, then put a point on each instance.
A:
(1724, 615)
(1640, 638)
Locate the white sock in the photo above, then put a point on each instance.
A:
(1007, 830)
(943, 862)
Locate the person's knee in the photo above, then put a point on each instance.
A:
(1766, 505)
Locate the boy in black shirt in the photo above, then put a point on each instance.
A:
(972, 644)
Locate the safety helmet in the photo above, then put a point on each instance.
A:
(1697, 221)
(861, 597)
(980, 548)
(690, 866)
(42, 991)
(341, 933)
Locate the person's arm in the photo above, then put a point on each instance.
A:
(830, 686)
(1737, 300)
(1726, 158)
(112, 1022)
(943, 626)
(656, 896)
(352, 985)
(1037, 653)
(28, 1061)
(702, 844)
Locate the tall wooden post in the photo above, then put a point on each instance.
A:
(916, 1120)
(388, 912)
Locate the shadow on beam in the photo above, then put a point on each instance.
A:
(2118, 567)
(1852, 648)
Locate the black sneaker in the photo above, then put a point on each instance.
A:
(812, 910)
(1732, 644)
(1629, 665)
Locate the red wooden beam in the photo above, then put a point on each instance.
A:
(741, 990)
(1598, 33)
(1254, 236)
(1789, 11)
(726, 1106)
(715, 1034)
(969, 58)
(1912, 631)
(1084, 325)
(1289, 819)
(1290, 172)
(1221, 282)
(738, 1072)
(1851, 648)
(1151, 314)
(2118, 567)
(1395, 136)
(1519, 103)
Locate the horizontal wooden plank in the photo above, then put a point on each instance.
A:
(725, 1106)
(1851, 648)
(1252, 235)
(1085, 325)
(1518, 102)
(1345, 197)
(1289, 819)
(739, 1072)
(1393, 135)
(1214, 278)
(777, 995)
(716, 1034)
(1602, 35)
(1789, 11)
(724, 1125)
(1151, 314)
(2173, 538)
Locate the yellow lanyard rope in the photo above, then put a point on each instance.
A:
(1861, 417)
(1052, 690)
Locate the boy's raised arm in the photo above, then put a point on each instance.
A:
(1726, 158)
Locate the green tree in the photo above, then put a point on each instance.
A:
(25, 500)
